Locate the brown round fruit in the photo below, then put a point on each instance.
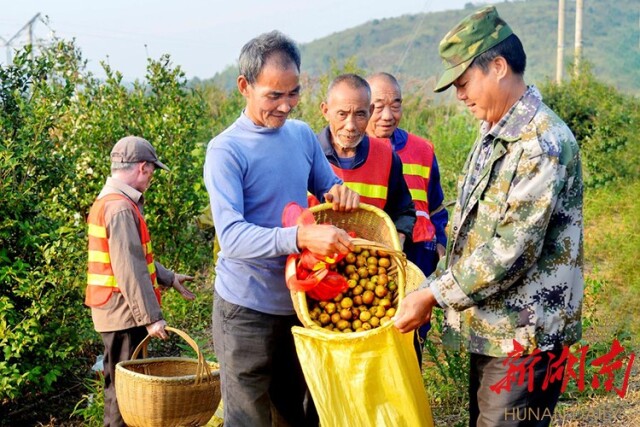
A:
(345, 313)
(325, 319)
(346, 302)
(330, 308)
(367, 297)
(343, 324)
(335, 318)
(381, 291)
(349, 269)
(385, 302)
(380, 312)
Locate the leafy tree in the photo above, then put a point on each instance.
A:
(57, 126)
(42, 321)
(605, 123)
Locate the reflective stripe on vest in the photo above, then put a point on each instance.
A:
(371, 179)
(101, 281)
(417, 160)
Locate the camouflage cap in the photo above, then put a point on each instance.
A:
(474, 35)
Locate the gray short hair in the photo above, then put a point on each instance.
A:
(354, 81)
(388, 77)
(258, 50)
(122, 166)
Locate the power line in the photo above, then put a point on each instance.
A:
(412, 39)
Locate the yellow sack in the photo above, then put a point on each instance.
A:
(367, 378)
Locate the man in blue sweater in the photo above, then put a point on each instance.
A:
(422, 174)
(252, 171)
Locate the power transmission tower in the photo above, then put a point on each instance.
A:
(29, 25)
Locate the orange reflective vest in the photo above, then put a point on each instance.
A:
(371, 179)
(101, 282)
(417, 159)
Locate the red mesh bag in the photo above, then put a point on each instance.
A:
(309, 272)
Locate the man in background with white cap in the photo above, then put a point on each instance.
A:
(511, 281)
(123, 277)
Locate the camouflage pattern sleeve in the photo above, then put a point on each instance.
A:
(508, 232)
(513, 269)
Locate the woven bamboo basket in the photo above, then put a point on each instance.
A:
(167, 391)
(375, 230)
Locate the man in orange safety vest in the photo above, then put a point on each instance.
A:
(123, 279)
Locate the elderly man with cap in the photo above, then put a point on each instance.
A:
(511, 282)
(123, 277)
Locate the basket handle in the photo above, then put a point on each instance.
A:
(203, 371)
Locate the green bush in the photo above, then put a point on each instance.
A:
(42, 322)
(57, 126)
(605, 123)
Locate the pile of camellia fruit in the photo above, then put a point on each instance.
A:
(369, 300)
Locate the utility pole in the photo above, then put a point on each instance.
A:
(560, 54)
(578, 41)
(29, 24)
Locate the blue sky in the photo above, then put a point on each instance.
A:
(203, 37)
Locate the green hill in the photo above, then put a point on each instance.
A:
(408, 45)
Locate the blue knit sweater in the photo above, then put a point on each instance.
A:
(251, 173)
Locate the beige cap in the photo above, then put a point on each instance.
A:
(132, 149)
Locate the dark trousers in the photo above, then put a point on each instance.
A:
(426, 258)
(419, 336)
(259, 368)
(518, 406)
(118, 346)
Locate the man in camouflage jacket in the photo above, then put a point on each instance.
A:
(511, 282)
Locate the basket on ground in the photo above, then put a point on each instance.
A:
(167, 391)
(374, 226)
